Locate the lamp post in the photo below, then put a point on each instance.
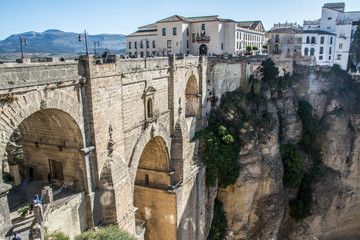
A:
(87, 52)
(22, 40)
(98, 45)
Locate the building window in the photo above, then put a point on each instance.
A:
(203, 26)
(169, 44)
(154, 53)
(277, 38)
(312, 51)
(129, 45)
(339, 57)
(135, 45)
(321, 50)
(313, 40)
(130, 53)
(187, 31)
(141, 44)
(164, 31)
(149, 108)
(222, 46)
(174, 31)
(320, 57)
(141, 54)
(329, 18)
(340, 45)
(329, 57)
(187, 43)
(331, 39)
(328, 27)
(329, 50)
(147, 44)
(154, 44)
(307, 39)
(146, 179)
(306, 51)
(322, 40)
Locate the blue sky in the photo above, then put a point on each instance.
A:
(118, 16)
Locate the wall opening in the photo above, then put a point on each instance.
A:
(192, 98)
(156, 205)
(44, 150)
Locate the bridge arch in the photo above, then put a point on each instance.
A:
(155, 205)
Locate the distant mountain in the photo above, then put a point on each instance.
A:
(56, 41)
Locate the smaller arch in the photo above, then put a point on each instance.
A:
(191, 96)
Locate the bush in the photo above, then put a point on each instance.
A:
(222, 151)
(25, 210)
(300, 208)
(219, 222)
(310, 134)
(293, 165)
(269, 70)
(111, 232)
(57, 236)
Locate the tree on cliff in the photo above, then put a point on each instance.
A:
(355, 47)
(269, 70)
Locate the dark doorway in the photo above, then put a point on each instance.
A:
(203, 50)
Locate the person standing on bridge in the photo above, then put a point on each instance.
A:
(16, 237)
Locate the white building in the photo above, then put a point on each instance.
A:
(334, 24)
(195, 35)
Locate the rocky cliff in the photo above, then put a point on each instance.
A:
(257, 206)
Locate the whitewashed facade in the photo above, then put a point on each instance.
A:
(206, 35)
(335, 21)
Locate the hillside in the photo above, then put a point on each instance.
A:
(56, 41)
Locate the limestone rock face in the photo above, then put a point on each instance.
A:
(257, 206)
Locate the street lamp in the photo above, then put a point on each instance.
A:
(98, 44)
(87, 52)
(22, 40)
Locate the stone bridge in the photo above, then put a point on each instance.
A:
(120, 132)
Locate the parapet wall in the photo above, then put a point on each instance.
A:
(14, 75)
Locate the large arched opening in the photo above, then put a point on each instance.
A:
(44, 149)
(153, 198)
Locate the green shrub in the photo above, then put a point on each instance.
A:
(300, 208)
(219, 222)
(57, 236)
(269, 70)
(311, 130)
(293, 165)
(111, 232)
(222, 151)
(25, 210)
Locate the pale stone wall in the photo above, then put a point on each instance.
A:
(69, 218)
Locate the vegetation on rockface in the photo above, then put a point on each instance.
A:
(300, 208)
(219, 222)
(57, 236)
(311, 130)
(111, 232)
(293, 165)
(269, 70)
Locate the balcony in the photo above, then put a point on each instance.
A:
(204, 39)
(276, 51)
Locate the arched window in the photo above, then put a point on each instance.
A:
(149, 108)
(191, 95)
